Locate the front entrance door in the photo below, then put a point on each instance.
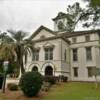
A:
(48, 71)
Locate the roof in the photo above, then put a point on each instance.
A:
(52, 38)
(60, 16)
(39, 29)
(63, 35)
(78, 33)
(56, 36)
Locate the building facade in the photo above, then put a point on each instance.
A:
(71, 54)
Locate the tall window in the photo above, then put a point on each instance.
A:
(90, 71)
(74, 40)
(35, 55)
(65, 55)
(88, 54)
(87, 38)
(48, 53)
(75, 57)
(75, 70)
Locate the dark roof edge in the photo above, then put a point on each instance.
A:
(78, 33)
(52, 38)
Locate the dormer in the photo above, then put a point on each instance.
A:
(60, 21)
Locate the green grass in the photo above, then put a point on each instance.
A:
(69, 91)
(74, 91)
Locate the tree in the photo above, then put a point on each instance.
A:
(93, 14)
(16, 47)
(93, 3)
(75, 14)
(89, 16)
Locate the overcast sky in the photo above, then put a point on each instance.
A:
(28, 15)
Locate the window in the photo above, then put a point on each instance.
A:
(75, 58)
(48, 53)
(87, 38)
(90, 71)
(65, 55)
(35, 55)
(35, 68)
(88, 54)
(74, 40)
(75, 69)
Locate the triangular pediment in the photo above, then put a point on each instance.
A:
(42, 32)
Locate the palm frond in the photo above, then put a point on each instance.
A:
(18, 35)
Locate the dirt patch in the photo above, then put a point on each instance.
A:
(18, 95)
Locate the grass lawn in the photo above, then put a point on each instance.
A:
(68, 91)
(74, 91)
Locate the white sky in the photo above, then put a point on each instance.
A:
(28, 15)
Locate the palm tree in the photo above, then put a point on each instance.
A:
(16, 47)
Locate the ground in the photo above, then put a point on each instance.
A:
(64, 91)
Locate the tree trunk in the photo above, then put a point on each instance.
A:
(22, 66)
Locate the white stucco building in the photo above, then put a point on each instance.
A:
(72, 54)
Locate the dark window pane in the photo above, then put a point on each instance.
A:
(87, 38)
(48, 53)
(35, 55)
(88, 53)
(65, 55)
(90, 70)
(75, 72)
(75, 58)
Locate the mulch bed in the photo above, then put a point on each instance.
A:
(18, 95)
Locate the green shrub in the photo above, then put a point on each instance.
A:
(30, 83)
(12, 86)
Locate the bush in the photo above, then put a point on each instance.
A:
(12, 86)
(50, 79)
(30, 83)
(63, 78)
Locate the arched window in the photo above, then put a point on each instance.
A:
(35, 68)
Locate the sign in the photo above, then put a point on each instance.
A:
(6, 65)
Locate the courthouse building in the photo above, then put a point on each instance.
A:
(71, 54)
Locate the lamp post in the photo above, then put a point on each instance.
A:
(5, 64)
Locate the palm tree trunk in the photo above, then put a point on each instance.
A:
(20, 59)
(22, 66)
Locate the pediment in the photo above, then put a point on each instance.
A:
(41, 33)
(48, 45)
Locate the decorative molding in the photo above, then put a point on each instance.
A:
(48, 45)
